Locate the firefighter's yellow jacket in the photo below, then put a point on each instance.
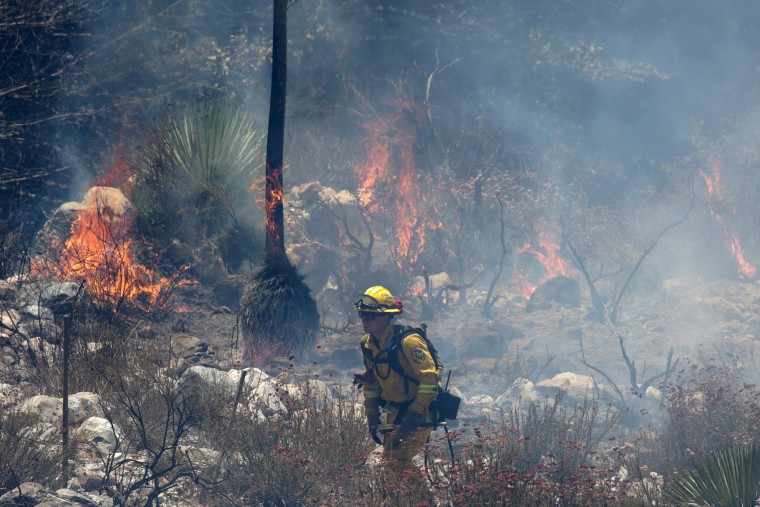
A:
(382, 382)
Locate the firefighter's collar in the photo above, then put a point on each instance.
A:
(385, 338)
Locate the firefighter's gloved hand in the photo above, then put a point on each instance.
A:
(373, 421)
(410, 423)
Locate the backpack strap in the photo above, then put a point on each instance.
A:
(399, 333)
(394, 348)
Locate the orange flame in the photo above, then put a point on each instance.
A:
(745, 268)
(98, 252)
(389, 183)
(548, 255)
(272, 200)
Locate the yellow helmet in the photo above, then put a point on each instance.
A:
(378, 299)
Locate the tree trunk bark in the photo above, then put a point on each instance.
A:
(273, 199)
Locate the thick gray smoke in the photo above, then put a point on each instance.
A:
(620, 102)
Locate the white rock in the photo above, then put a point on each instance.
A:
(42, 408)
(313, 391)
(481, 399)
(260, 388)
(48, 409)
(83, 406)
(521, 391)
(9, 318)
(38, 312)
(577, 386)
(653, 393)
(99, 432)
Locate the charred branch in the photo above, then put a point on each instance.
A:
(638, 390)
(366, 249)
(601, 372)
(596, 299)
(616, 303)
(611, 313)
(490, 299)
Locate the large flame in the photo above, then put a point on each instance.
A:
(99, 253)
(389, 184)
(745, 268)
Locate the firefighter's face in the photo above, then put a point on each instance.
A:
(374, 323)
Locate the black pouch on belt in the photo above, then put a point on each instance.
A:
(447, 405)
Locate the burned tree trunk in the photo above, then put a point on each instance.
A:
(275, 227)
(279, 316)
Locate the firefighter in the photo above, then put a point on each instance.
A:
(401, 382)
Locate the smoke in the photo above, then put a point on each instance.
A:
(609, 104)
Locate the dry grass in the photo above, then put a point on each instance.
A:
(319, 452)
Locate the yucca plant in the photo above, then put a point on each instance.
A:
(193, 168)
(213, 145)
(727, 478)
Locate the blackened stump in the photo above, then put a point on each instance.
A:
(279, 316)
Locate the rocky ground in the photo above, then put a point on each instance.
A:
(485, 355)
(494, 360)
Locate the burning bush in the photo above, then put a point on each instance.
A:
(278, 314)
(99, 249)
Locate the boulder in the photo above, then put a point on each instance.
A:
(83, 406)
(561, 290)
(313, 391)
(478, 337)
(480, 399)
(262, 395)
(110, 203)
(55, 297)
(577, 387)
(47, 330)
(99, 432)
(27, 493)
(9, 319)
(43, 408)
(521, 391)
(190, 348)
(37, 312)
(7, 291)
(83, 499)
(48, 409)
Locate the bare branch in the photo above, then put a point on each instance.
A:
(616, 304)
(489, 302)
(602, 373)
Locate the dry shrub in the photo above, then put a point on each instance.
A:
(550, 454)
(160, 453)
(27, 452)
(314, 454)
(709, 407)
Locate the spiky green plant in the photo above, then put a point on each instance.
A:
(213, 145)
(192, 172)
(728, 478)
